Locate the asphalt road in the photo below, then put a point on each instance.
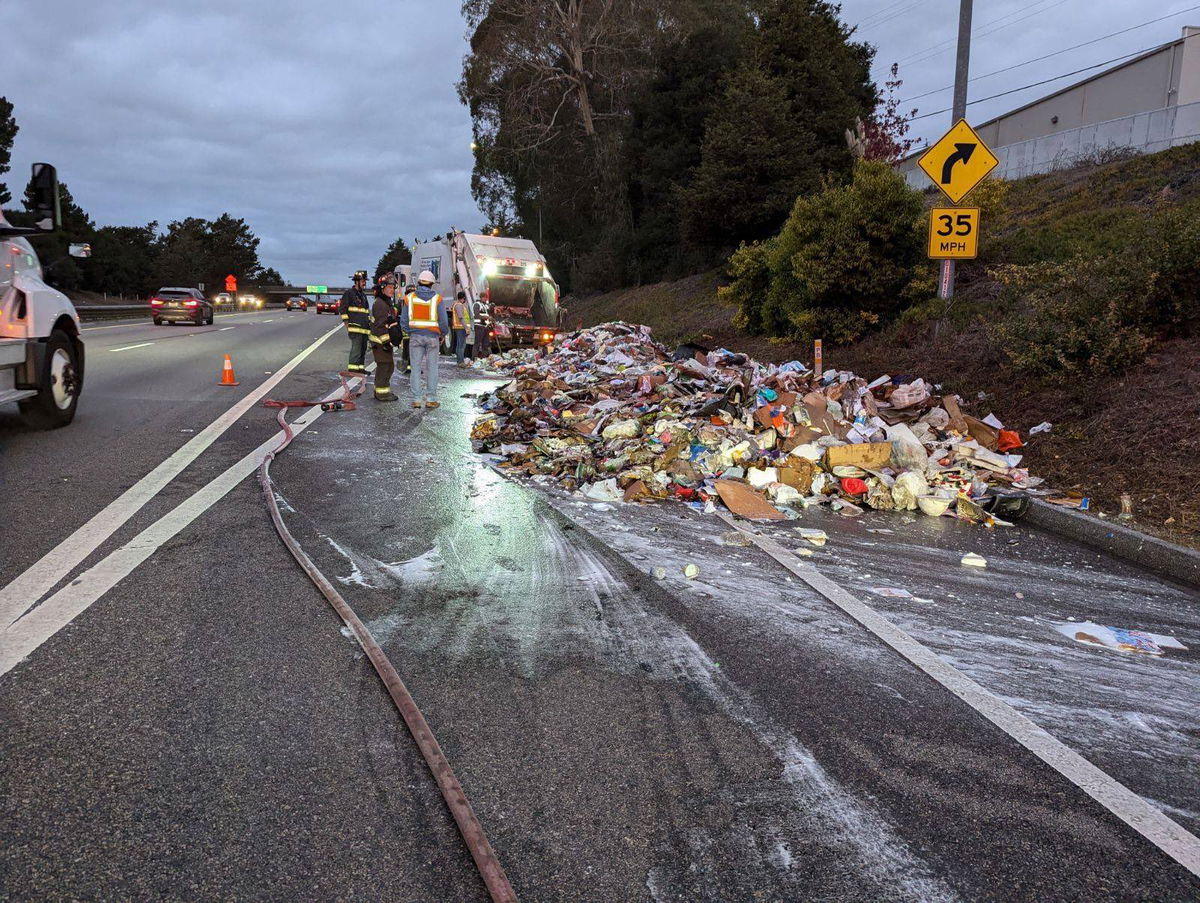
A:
(204, 728)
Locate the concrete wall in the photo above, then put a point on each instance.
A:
(1145, 105)
(1140, 86)
(1141, 133)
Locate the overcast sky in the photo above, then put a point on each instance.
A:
(333, 127)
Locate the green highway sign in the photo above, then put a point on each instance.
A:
(317, 290)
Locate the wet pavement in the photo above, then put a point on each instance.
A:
(208, 729)
(736, 736)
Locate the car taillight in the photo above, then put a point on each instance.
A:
(190, 303)
(156, 302)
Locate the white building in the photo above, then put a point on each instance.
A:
(1146, 104)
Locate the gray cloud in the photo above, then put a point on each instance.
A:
(331, 127)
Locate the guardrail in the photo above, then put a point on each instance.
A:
(100, 311)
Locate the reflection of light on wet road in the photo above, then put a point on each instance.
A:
(487, 488)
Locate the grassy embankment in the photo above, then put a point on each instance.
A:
(1138, 432)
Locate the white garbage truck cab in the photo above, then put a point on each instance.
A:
(41, 347)
(508, 275)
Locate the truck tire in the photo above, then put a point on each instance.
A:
(58, 392)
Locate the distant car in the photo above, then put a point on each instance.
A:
(223, 300)
(181, 305)
(296, 303)
(249, 302)
(327, 305)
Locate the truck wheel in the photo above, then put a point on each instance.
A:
(58, 391)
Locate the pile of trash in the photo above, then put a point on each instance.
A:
(614, 416)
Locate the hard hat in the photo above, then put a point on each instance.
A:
(426, 278)
(359, 274)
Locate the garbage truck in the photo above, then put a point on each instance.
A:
(509, 275)
(41, 347)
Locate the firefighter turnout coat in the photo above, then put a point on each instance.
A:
(356, 312)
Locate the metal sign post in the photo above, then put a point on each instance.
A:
(962, 65)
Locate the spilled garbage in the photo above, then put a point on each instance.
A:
(614, 416)
(1118, 638)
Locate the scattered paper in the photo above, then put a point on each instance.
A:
(745, 502)
(1118, 638)
(816, 537)
(974, 561)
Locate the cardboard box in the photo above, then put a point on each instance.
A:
(798, 474)
(867, 455)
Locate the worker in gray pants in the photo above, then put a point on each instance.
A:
(423, 319)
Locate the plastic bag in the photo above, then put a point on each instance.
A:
(909, 486)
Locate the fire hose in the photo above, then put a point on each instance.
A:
(486, 861)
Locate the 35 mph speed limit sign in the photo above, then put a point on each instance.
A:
(954, 233)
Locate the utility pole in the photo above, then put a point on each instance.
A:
(962, 67)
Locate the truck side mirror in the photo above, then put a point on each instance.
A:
(47, 212)
(84, 250)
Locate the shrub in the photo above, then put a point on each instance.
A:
(849, 258)
(1073, 318)
(1099, 314)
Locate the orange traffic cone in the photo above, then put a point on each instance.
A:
(227, 377)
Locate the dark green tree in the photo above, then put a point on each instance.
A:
(195, 251)
(398, 253)
(8, 132)
(182, 257)
(232, 248)
(666, 129)
(123, 260)
(778, 130)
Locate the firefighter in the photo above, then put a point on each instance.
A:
(423, 318)
(356, 314)
(383, 318)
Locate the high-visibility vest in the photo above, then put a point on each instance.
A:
(424, 314)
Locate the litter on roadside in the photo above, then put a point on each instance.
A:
(974, 561)
(816, 537)
(1118, 638)
(613, 416)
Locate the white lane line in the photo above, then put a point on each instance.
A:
(131, 347)
(24, 591)
(1149, 821)
(226, 328)
(20, 639)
